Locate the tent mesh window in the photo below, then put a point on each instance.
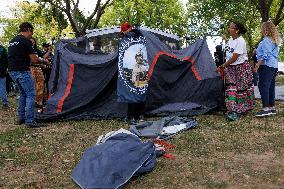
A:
(106, 44)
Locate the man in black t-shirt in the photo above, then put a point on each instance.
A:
(20, 56)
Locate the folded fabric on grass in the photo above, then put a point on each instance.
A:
(163, 128)
(180, 109)
(114, 160)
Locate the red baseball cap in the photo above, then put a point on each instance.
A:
(125, 26)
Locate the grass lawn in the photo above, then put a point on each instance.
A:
(248, 153)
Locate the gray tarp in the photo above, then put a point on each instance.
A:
(155, 128)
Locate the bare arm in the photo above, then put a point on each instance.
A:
(231, 60)
(36, 60)
(221, 68)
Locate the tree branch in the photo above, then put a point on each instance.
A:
(262, 10)
(71, 18)
(279, 14)
(91, 16)
(98, 11)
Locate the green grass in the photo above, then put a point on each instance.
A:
(248, 153)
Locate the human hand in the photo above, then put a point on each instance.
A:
(220, 69)
(255, 69)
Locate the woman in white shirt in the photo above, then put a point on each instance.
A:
(239, 91)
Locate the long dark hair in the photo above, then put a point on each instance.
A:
(34, 45)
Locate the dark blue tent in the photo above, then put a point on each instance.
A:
(83, 84)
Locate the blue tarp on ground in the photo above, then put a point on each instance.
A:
(112, 163)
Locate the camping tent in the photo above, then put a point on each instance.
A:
(83, 84)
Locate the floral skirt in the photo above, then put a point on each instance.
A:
(39, 84)
(239, 89)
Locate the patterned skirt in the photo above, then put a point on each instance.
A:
(239, 89)
(39, 84)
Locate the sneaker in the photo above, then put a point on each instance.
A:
(233, 116)
(34, 125)
(273, 112)
(264, 113)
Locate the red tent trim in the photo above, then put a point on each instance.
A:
(188, 58)
(67, 90)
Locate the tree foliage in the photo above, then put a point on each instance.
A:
(270, 9)
(167, 15)
(205, 16)
(78, 21)
(45, 24)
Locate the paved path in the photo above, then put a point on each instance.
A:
(279, 92)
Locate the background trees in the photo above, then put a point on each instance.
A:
(48, 27)
(78, 21)
(167, 15)
(206, 16)
(199, 18)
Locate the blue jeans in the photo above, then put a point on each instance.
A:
(3, 92)
(26, 85)
(266, 85)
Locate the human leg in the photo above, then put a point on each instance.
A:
(272, 89)
(265, 79)
(3, 93)
(25, 83)
(266, 87)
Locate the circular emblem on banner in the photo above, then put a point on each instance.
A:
(133, 65)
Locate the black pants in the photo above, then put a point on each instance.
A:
(9, 82)
(266, 85)
(135, 110)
